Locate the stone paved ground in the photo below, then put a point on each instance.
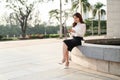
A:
(38, 60)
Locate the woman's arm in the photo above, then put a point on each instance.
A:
(81, 30)
(71, 30)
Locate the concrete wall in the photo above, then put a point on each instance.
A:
(113, 18)
(110, 67)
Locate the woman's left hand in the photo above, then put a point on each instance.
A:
(71, 30)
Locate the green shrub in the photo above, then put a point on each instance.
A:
(88, 33)
(5, 39)
(1, 37)
(36, 36)
(9, 39)
(54, 35)
(46, 36)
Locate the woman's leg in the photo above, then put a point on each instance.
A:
(64, 51)
(65, 54)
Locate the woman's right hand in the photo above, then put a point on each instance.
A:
(71, 30)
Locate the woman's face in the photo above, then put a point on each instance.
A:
(76, 19)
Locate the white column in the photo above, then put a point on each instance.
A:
(113, 18)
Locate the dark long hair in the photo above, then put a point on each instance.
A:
(78, 15)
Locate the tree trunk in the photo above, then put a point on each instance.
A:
(99, 28)
(23, 28)
(92, 28)
(80, 5)
(23, 31)
(24, 34)
(60, 18)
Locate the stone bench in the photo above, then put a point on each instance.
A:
(104, 58)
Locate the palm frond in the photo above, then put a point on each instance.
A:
(75, 4)
(103, 12)
(98, 5)
(94, 12)
(84, 7)
(89, 6)
(66, 1)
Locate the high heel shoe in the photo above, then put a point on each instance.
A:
(66, 65)
(62, 61)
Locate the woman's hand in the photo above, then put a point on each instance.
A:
(71, 30)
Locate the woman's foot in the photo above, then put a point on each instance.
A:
(62, 61)
(66, 65)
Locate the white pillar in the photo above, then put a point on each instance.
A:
(113, 18)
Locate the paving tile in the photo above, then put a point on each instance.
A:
(38, 60)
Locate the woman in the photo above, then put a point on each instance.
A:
(78, 31)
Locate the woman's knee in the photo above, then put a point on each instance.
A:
(65, 46)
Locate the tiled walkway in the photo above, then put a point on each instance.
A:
(38, 60)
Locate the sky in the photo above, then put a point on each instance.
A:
(55, 5)
(44, 8)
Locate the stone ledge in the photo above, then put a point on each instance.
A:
(96, 57)
(103, 52)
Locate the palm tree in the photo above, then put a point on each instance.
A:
(60, 17)
(83, 4)
(100, 12)
(55, 14)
